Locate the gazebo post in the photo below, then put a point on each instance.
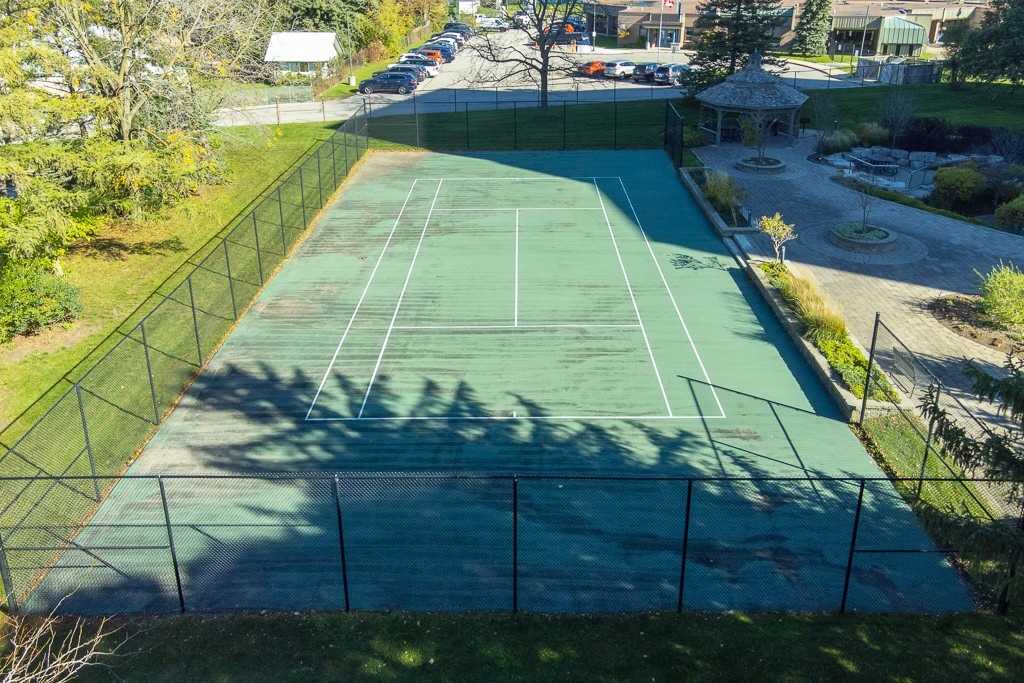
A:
(718, 126)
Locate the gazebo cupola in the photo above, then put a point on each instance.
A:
(751, 90)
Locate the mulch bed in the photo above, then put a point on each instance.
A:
(963, 315)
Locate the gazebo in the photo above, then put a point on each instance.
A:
(750, 91)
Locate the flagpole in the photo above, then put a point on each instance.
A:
(661, 17)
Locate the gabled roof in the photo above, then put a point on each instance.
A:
(301, 46)
(752, 89)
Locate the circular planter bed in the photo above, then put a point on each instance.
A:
(853, 237)
(765, 166)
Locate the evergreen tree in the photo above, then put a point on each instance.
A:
(995, 50)
(732, 30)
(813, 27)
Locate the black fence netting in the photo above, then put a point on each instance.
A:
(95, 420)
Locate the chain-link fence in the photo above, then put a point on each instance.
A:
(674, 134)
(476, 543)
(985, 515)
(96, 419)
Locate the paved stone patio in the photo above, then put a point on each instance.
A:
(935, 256)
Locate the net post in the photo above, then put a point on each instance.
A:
(871, 363)
(341, 539)
(7, 580)
(853, 548)
(231, 284)
(319, 178)
(88, 441)
(170, 544)
(515, 544)
(280, 218)
(302, 196)
(195, 321)
(686, 545)
(259, 257)
(927, 446)
(149, 372)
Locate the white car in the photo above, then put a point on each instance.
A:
(459, 39)
(492, 24)
(619, 69)
(431, 68)
(450, 42)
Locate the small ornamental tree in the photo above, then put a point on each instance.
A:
(778, 231)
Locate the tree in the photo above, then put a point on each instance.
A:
(813, 27)
(778, 231)
(954, 36)
(995, 51)
(546, 33)
(897, 109)
(755, 130)
(732, 31)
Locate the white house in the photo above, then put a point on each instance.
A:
(468, 6)
(303, 52)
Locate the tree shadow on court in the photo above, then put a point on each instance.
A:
(435, 542)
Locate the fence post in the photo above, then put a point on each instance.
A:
(334, 165)
(515, 543)
(686, 545)
(615, 125)
(467, 125)
(565, 109)
(149, 371)
(195, 321)
(853, 548)
(170, 543)
(280, 218)
(7, 580)
(231, 284)
(302, 196)
(277, 104)
(927, 446)
(345, 147)
(828, 79)
(88, 442)
(515, 126)
(341, 541)
(871, 363)
(259, 257)
(319, 177)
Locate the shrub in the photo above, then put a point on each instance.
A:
(872, 134)
(1011, 215)
(1002, 295)
(724, 194)
(837, 141)
(958, 187)
(32, 298)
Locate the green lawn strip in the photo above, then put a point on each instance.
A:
(118, 269)
(900, 198)
(659, 647)
(973, 103)
(957, 515)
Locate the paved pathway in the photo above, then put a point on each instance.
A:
(935, 256)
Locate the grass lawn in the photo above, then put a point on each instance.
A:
(975, 104)
(661, 647)
(118, 268)
(340, 91)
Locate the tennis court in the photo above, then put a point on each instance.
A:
(537, 314)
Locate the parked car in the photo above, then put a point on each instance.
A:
(591, 69)
(462, 28)
(434, 55)
(449, 42)
(618, 69)
(459, 39)
(389, 81)
(492, 24)
(670, 74)
(421, 60)
(521, 19)
(644, 73)
(418, 72)
(445, 50)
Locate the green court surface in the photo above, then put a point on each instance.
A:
(539, 314)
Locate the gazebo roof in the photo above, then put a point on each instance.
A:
(752, 89)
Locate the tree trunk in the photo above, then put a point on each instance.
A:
(544, 80)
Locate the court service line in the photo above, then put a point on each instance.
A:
(636, 308)
(362, 297)
(401, 296)
(515, 295)
(501, 418)
(522, 208)
(672, 298)
(541, 326)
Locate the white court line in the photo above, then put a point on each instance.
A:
(401, 296)
(629, 288)
(548, 178)
(348, 327)
(682, 322)
(499, 418)
(541, 326)
(515, 294)
(523, 208)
